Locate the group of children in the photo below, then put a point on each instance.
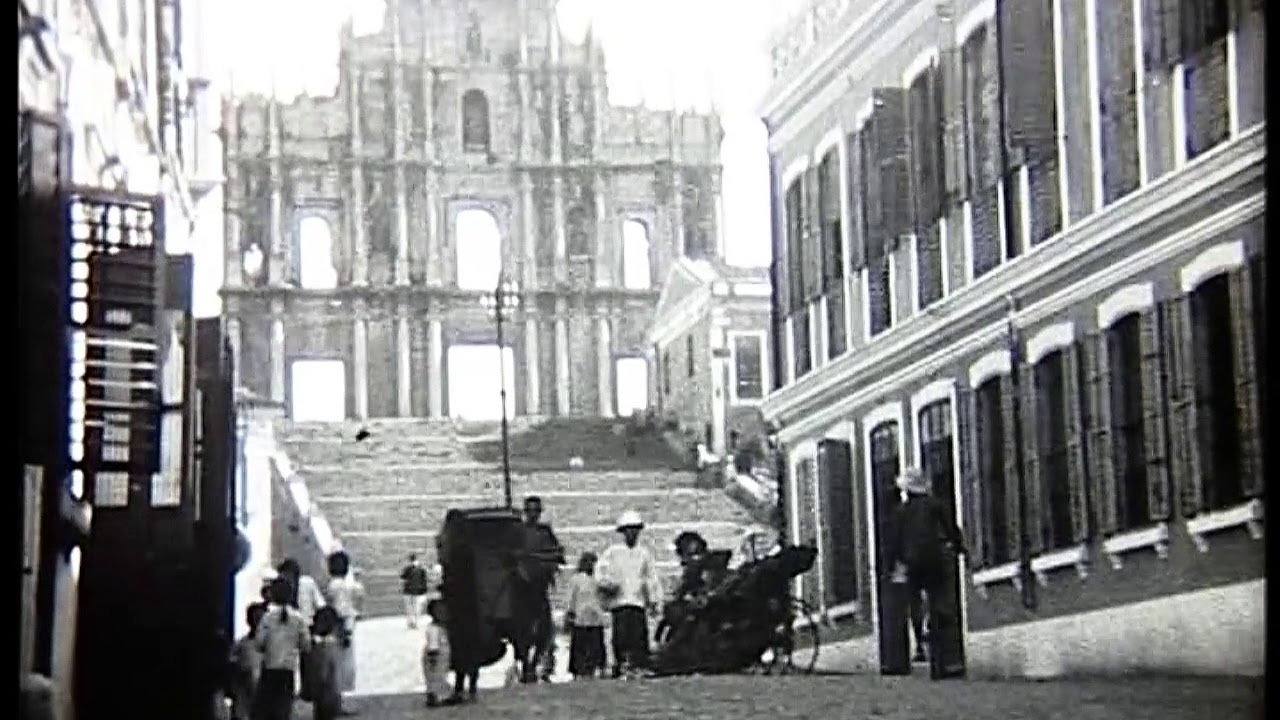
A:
(266, 662)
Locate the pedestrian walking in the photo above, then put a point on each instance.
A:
(435, 655)
(413, 585)
(246, 664)
(324, 665)
(585, 619)
(922, 552)
(542, 559)
(343, 594)
(283, 638)
(305, 595)
(629, 579)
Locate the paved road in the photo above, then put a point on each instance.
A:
(839, 697)
(389, 688)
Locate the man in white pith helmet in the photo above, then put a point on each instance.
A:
(629, 580)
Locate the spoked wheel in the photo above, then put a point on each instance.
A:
(795, 645)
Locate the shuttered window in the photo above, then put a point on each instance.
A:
(802, 339)
(937, 452)
(1118, 100)
(927, 181)
(1205, 25)
(1055, 499)
(666, 372)
(780, 280)
(1124, 352)
(857, 174)
(795, 245)
(879, 307)
(807, 523)
(885, 466)
(991, 482)
(812, 234)
(981, 129)
(832, 253)
(840, 527)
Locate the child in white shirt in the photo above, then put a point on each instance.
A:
(586, 619)
(435, 653)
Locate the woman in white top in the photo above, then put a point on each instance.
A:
(343, 593)
(306, 595)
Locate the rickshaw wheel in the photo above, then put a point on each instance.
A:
(796, 642)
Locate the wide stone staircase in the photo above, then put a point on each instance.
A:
(385, 496)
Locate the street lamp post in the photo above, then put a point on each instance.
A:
(505, 295)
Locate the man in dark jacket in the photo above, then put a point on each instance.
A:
(413, 585)
(543, 557)
(922, 553)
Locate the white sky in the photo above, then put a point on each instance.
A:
(695, 52)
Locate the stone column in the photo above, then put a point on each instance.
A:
(677, 213)
(719, 385)
(231, 326)
(360, 364)
(529, 226)
(553, 44)
(275, 253)
(562, 247)
(359, 244)
(435, 368)
(233, 257)
(604, 365)
(277, 353)
(404, 365)
(532, 364)
(562, 360)
(399, 124)
(606, 238)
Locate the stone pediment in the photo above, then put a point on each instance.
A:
(685, 284)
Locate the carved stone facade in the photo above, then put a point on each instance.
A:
(454, 106)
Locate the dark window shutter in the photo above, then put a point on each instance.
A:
(1246, 371)
(795, 245)
(1011, 474)
(1077, 457)
(837, 338)
(1026, 28)
(873, 212)
(1208, 110)
(1151, 338)
(970, 484)
(1184, 407)
(1118, 111)
(1162, 33)
(1037, 506)
(987, 114)
(929, 264)
(889, 125)
(1097, 364)
(857, 231)
(926, 148)
(812, 236)
(829, 205)
(955, 153)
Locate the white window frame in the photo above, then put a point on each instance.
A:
(732, 337)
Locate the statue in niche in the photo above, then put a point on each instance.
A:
(475, 46)
(579, 240)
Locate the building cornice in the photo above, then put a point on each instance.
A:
(961, 316)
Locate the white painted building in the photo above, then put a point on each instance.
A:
(1113, 258)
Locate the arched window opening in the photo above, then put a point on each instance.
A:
(636, 272)
(315, 250)
(479, 250)
(475, 121)
(318, 391)
(579, 232)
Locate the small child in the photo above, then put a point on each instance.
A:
(585, 618)
(435, 653)
(246, 664)
(323, 665)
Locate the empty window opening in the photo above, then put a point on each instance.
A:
(636, 271)
(318, 391)
(748, 367)
(315, 250)
(632, 385)
(475, 122)
(479, 250)
(475, 390)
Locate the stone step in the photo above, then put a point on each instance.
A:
(562, 509)
(465, 479)
(380, 553)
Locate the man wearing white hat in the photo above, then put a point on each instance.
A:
(628, 578)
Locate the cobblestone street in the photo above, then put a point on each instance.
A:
(389, 689)
(836, 697)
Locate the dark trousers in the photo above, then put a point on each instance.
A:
(274, 697)
(630, 638)
(938, 583)
(586, 651)
(917, 617)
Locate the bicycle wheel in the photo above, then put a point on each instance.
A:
(795, 645)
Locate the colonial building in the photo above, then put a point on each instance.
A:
(110, 147)
(1062, 331)
(709, 344)
(467, 141)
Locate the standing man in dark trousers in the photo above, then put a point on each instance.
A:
(543, 557)
(922, 552)
(413, 584)
(628, 577)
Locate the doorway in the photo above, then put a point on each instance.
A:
(475, 384)
(632, 385)
(892, 616)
